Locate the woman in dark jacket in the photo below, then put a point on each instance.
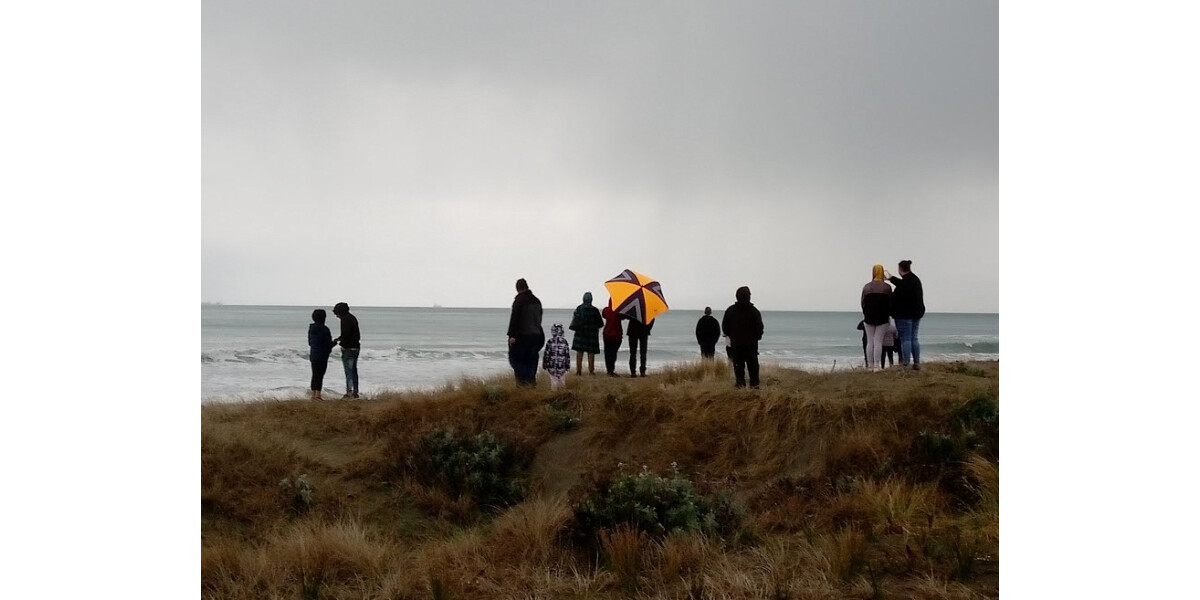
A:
(586, 324)
(320, 344)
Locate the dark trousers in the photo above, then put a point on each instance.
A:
(745, 359)
(708, 350)
(523, 356)
(887, 357)
(610, 355)
(634, 342)
(319, 365)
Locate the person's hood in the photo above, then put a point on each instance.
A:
(743, 294)
(556, 330)
(587, 298)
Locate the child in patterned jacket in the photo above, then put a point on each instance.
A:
(556, 360)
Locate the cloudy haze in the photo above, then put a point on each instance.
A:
(410, 154)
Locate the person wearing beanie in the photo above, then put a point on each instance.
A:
(744, 325)
(708, 331)
(320, 344)
(349, 340)
(908, 308)
(875, 302)
(586, 323)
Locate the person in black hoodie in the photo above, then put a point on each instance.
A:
(908, 307)
(639, 334)
(320, 344)
(708, 331)
(744, 325)
(349, 339)
(525, 334)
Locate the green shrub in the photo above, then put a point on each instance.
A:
(935, 448)
(962, 368)
(480, 467)
(562, 421)
(656, 505)
(979, 410)
(297, 493)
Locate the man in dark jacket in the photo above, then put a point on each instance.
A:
(525, 334)
(708, 331)
(908, 306)
(743, 324)
(639, 334)
(349, 341)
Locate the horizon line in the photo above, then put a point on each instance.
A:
(701, 309)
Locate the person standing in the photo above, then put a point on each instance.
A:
(525, 334)
(557, 357)
(349, 340)
(862, 327)
(708, 331)
(586, 323)
(875, 302)
(639, 335)
(320, 344)
(744, 325)
(890, 337)
(908, 308)
(612, 339)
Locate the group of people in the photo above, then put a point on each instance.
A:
(321, 343)
(891, 317)
(742, 324)
(892, 314)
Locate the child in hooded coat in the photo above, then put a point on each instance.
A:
(556, 360)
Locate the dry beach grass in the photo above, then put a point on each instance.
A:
(821, 485)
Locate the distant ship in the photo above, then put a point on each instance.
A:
(437, 305)
(211, 304)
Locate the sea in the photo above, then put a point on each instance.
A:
(254, 353)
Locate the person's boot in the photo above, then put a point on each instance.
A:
(317, 395)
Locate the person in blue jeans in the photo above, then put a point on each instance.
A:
(908, 307)
(349, 341)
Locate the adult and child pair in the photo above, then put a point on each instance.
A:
(881, 305)
(321, 343)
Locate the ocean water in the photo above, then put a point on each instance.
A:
(261, 352)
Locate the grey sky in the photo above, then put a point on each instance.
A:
(406, 154)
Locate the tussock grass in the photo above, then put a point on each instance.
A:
(842, 495)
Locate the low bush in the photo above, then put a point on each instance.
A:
(480, 467)
(962, 368)
(297, 493)
(656, 505)
(562, 421)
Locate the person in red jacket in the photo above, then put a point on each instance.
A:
(612, 338)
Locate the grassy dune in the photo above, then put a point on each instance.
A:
(819, 485)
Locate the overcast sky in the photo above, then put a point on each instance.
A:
(409, 154)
